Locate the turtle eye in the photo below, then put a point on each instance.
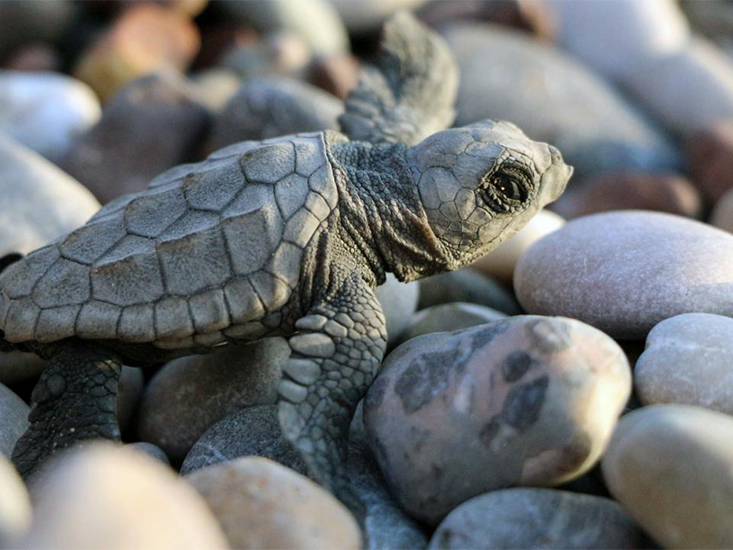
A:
(505, 190)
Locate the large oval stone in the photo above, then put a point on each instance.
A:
(671, 467)
(523, 401)
(624, 272)
(688, 360)
(538, 518)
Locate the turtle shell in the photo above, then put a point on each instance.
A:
(208, 248)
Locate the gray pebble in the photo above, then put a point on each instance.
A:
(13, 419)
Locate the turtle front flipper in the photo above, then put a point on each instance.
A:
(75, 399)
(335, 355)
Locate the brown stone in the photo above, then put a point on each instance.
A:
(337, 74)
(710, 155)
(145, 38)
(630, 191)
(722, 214)
(263, 505)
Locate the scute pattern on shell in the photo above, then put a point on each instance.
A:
(203, 254)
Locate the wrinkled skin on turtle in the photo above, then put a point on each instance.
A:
(285, 237)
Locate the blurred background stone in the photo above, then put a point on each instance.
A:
(631, 191)
(399, 302)
(15, 505)
(722, 215)
(710, 152)
(23, 22)
(153, 124)
(13, 419)
(146, 38)
(554, 98)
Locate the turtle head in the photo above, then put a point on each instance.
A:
(481, 183)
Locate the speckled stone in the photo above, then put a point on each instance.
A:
(152, 124)
(669, 193)
(500, 262)
(261, 504)
(469, 286)
(624, 272)
(252, 431)
(264, 108)
(399, 302)
(130, 500)
(190, 394)
(554, 98)
(524, 401)
(538, 518)
(671, 467)
(15, 505)
(722, 214)
(13, 419)
(45, 111)
(688, 360)
(447, 317)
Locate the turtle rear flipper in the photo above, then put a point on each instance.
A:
(409, 93)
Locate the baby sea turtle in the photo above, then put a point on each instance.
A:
(284, 237)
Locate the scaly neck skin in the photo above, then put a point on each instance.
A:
(381, 213)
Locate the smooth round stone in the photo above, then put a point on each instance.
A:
(282, 54)
(501, 262)
(554, 98)
(266, 108)
(252, 431)
(15, 505)
(722, 215)
(624, 272)
(538, 518)
(710, 151)
(150, 450)
(39, 201)
(152, 124)
(104, 496)
(46, 111)
(688, 360)
(399, 302)
(190, 394)
(261, 504)
(13, 419)
(386, 525)
(525, 401)
(671, 467)
(216, 86)
(631, 191)
(466, 285)
(368, 16)
(447, 317)
(146, 38)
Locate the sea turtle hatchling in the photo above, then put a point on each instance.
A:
(288, 237)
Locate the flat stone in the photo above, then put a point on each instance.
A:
(669, 193)
(13, 419)
(152, 507)
(671, 468)
(688, 361)
(264, 108)
(252, 431)
(466, 285)
(500, 262)
(261, 504)
(15, 505)
(46, 112)
(624, 272)
(527, 400)
(190, 394)
(152, 124)
(447, 317)
(399, 302)
(556, 99)
(538, 518)
(145, 38)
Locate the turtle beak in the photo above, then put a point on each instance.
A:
(556, 177)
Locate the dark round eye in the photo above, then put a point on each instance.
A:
(509, 187)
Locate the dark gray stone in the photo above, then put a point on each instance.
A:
(469, 286)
